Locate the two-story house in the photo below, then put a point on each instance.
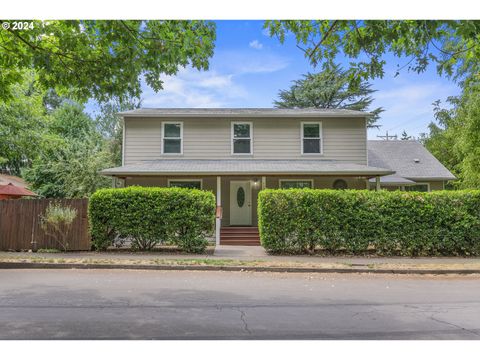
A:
(237, 152)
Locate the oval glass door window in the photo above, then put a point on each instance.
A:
(240, 196)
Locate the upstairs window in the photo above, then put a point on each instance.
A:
(312, 138)
(242, 138)
(172, 138)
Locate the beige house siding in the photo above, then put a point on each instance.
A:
(344, 139)
(436, 185)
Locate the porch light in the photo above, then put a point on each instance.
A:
(255, 182)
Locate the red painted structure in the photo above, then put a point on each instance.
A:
(11, 191)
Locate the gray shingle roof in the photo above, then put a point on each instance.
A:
(242, 112)
(402, 155)
(393, 180)
(255, 167)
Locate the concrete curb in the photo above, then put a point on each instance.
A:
(25, 265)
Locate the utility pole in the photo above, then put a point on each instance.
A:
(388, 137)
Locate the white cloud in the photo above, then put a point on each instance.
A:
(255, 44)
(408, 105)
(193, 88)
(251, 62)
(222, 86)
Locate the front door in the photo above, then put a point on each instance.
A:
(240, 202)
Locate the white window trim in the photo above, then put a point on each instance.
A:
(421, 183)
(319, 123)
(163, 137)
(187, 180)
(281, 180)
(250, 138)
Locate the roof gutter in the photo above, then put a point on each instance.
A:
(255, 173)
(228, 116)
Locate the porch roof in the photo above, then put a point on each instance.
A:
(394, 180)
(245, 167)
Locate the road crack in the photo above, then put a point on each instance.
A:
(452, 324)
(243, 318)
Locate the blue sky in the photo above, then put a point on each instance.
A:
(249, 68)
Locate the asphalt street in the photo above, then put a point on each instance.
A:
(134, 304)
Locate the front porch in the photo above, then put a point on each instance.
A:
(236, 197)
(236, 183)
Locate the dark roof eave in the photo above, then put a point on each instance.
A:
(227, 116)
(255, 173)
(430, 178)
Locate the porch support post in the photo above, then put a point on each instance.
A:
(264, 182)
(377, 183)
(218, 221)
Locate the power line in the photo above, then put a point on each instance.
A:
(388, 137)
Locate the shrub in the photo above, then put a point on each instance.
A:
(151, 216)
(387, 223)
(57, 222)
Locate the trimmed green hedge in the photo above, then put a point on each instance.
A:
(150, 216)
(356, 222)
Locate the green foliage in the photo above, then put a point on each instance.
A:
(69, 169)
(22, 123)
(69, 156)
(102, 59)
(453, 46)
(329, 89)
(390, 223)
(468, 144)
(57, 222)
(69, 121)
(454, 139)
(110, 125)
(152, 216)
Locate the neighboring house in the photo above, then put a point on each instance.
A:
(237, 152)
(13, 187)
(416, 169)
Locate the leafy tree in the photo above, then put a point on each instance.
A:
(69, 155)
(70, 121)
(329, 89)
(102, 58)
(453, 46)
(109, 124)
(52, 101)
(22, 123)
(69, 168)
(468, 143)
(454, 139)
(443, 134)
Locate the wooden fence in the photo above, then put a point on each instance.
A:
(20, 225)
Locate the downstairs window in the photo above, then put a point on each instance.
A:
(296, 184)
(187, 184)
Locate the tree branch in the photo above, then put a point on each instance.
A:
(324, 37)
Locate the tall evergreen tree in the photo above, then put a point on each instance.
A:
(329, 89)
